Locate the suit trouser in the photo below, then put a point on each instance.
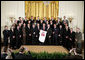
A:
(55, 40)
(79, 45)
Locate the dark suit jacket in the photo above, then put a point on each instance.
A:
(66, 22)
(60, 23)
(37, 30)
(60, 32)
(18, 38)
(49, 32)
(51, 26)
(54, 21)
(72, 36)
(66, 33)
(56, 31)
(25, 21)
(32, 31)
(44, 21)
(12, 33)
(38, 21)
(32, 21)
(28, 31)
(5, 36)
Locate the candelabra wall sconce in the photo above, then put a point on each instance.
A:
(11, 19)
(70, 19)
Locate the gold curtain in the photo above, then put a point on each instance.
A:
(38, 8)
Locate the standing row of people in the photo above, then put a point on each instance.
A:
(27, 32)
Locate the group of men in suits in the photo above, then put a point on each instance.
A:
(27, 32)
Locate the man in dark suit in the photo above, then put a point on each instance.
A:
(60, 35)
(24, 33)
(29, 22)
(21, 31)
(65, 20)
(55, 35)
(25, 20)
(44, 27)
(72, 39)
(54, 21)
(41, 24)
(66, 37)
(20, 20)
(32, 21)
(51, 24)
(48, 35)
(33, 30)
(59, 23)
(18, 37)
(44, 21)
(20, 26)
(38, 20)
(37, 33)
(47, 22)
(12, 38)
(28, 35)
(5, 36)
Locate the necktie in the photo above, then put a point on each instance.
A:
(44, 28)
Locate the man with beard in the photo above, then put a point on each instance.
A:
(28, 35)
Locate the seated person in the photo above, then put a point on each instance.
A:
(21, 54)
(4, 53)
(75, 56)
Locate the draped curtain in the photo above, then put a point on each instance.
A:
(38, 8)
